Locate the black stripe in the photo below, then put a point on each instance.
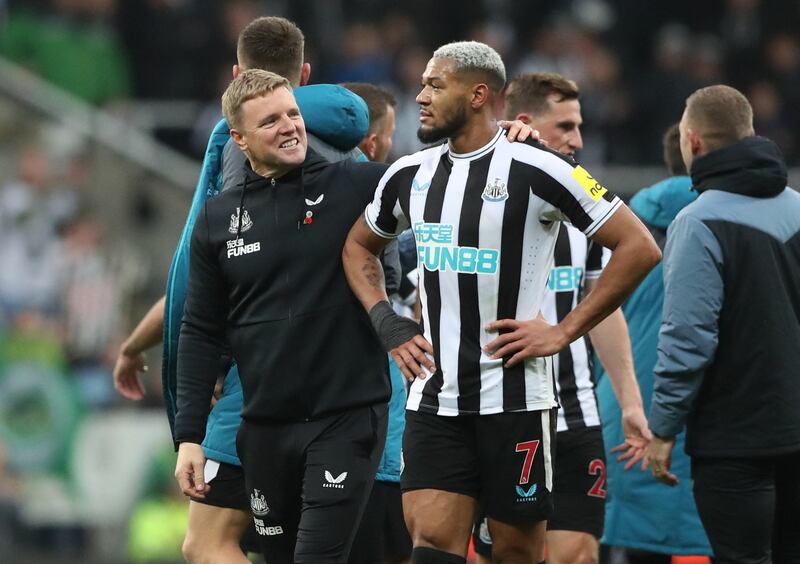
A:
(397, 183)
(594, 257)
(469, 350)
(568, 386)
(433, 214)
(554, 193)
(514, 217)
(404, 194)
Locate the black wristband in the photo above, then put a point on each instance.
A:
(393, 330)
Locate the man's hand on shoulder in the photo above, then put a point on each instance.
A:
(520, 131)
(525, 339)
(189, 471)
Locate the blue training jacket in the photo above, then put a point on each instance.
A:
(641, 512)
(339, 118)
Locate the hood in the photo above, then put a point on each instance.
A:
(752, 166)
(660, 203)
(333, 113)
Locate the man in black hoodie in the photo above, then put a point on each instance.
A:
(265, 276)
(729, 345)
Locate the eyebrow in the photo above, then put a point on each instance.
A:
(268, 118)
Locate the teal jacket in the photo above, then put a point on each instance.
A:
(642, 513)
(335, 116)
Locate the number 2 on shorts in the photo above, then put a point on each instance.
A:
(596, 467)
(529, 448)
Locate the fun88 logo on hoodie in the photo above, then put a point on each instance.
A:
(436, 251)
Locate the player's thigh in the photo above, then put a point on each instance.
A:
(210, 525)
(440, 480)
(736, 503)
(572, 547)
(439, 519)
(338, 476)
(517, 543)
(579, 487)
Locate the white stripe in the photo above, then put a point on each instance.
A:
(450, 326)
(490, 235)
(538, 244)
(548, 462)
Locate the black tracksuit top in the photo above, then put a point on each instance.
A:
(277, 294)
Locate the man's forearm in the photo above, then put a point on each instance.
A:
(612, 343)
(632, 259)
(364, 273)
(148, 333)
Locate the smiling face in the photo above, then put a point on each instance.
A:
(560, 125)
(444, 102)
(272, 133)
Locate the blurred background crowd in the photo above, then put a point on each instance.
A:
(105, 109)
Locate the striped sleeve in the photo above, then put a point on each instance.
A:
(571, 192)
(383, 214)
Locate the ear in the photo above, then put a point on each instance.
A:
(695, 142)
(236, 70)
(368, 145)
(239, 139)
(480, 95)
(524, 118)
(305, 74)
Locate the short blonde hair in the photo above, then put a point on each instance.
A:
(720, 114)
(249, 84)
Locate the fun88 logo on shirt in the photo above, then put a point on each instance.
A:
(565, 278)
(436, 251)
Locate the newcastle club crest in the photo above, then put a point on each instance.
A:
(247, 223)
(258, 504)
(495, 191)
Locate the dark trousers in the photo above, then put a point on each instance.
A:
(309, 482)
(750, 507)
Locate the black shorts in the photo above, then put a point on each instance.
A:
(382, 535)
(308, 482)
(228, 491)
(504, 461)
(579, 488)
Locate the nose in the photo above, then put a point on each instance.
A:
(287, 125)
(423, 99)
(576, 139)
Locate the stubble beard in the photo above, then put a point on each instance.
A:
(457, 120)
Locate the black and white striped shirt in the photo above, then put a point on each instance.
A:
(576, 259)
(485, 224)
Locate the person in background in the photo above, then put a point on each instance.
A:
(641, 515)
(728, 347)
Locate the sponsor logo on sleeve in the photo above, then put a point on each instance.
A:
(592, 186)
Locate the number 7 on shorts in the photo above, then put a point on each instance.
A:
(529, 448)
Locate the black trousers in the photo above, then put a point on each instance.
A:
(309, 482)
(750, 508)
